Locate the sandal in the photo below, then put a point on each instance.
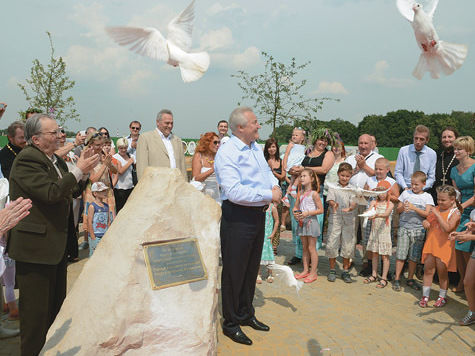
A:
(310, 279)
(396, 286)
(270, 279)
(423, 302)
(259, 280)
(382, 283)
(413, 284)
(440, 302)
(302, 275)
(370, 279)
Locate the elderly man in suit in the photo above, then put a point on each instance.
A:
(38, 242)
(160, 148)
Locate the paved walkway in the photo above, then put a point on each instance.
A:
(337, 319)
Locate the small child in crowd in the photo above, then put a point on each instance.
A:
(341, 223)
(379, 242)
(414, 206)
(295, 151)
(439, 251)
(8, 279)
(381, 170)
(271, 226)
(307, 207)
(98, 219)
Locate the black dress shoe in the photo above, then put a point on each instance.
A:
(238, 336)
(256, 324)
(294, 260)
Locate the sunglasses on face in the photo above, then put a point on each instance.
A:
(135, 128)
(104, 133)
(216, 142)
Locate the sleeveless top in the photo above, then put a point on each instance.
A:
(211, 184)
(316, 162)
(99, 220)
(306, 202)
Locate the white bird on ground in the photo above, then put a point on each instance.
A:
(174, 50)
(360, 193)
(287, 274)
(437, 56)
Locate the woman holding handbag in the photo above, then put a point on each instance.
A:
(126, 166)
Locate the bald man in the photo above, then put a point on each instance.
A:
(363, 167)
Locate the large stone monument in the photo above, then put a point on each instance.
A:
(112, 308)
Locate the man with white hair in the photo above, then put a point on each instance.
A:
(160, 147)
(247, 187)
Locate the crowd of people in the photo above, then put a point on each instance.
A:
(330, 198)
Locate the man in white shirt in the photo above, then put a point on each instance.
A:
(363, 163)
(134, 127)
(223, 131)
(160, 147)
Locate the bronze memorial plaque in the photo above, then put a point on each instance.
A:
(171, 263)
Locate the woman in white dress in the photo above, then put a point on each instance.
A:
(203, 164)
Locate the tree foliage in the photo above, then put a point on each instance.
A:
(46, 87)
(277, 93)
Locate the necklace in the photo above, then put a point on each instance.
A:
(445, 171)
(8, 145)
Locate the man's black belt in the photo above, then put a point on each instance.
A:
(262, 208)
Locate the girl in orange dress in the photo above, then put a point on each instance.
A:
(439, 251)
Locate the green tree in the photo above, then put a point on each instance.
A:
(283, 133)
(277, 93)
(46, 88)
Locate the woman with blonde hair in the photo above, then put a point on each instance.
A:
(203, 164)
(125, 167)
(463, 176)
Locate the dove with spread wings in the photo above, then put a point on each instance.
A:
(437, 56)
(174, 50)
(360, 193)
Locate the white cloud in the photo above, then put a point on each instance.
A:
(250, 57)
(379, 76)
(92, 18)
(158, 17)
(133, 84)
(216, 39)
(331, 88)
(217, 8)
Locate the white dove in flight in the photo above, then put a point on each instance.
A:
(174, 50)
(437, 56)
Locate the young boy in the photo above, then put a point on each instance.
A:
(381, 170)
(98, 220)
(341, 224)
(414, 206)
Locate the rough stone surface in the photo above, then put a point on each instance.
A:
(112, 309)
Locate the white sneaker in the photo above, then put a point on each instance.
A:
(6, 333)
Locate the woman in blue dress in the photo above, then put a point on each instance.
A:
(463, 178)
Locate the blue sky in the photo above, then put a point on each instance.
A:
(361, 51)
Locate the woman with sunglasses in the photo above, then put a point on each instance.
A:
(105, 133)
(202, 166)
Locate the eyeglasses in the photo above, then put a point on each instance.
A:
(216, 142)
(135, 128)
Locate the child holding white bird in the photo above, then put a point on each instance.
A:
(379, 242)
(341, 221)
(267, 257)
(306, 209)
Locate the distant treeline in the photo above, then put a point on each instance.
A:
(395, 129)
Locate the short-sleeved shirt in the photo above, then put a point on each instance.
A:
(411, 219)
(360, 178)
(342, 197)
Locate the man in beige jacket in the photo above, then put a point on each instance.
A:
(160, 148)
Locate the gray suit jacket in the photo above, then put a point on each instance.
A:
(152, 152)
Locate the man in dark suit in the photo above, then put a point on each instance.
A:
(16, 142)
(38, 242)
